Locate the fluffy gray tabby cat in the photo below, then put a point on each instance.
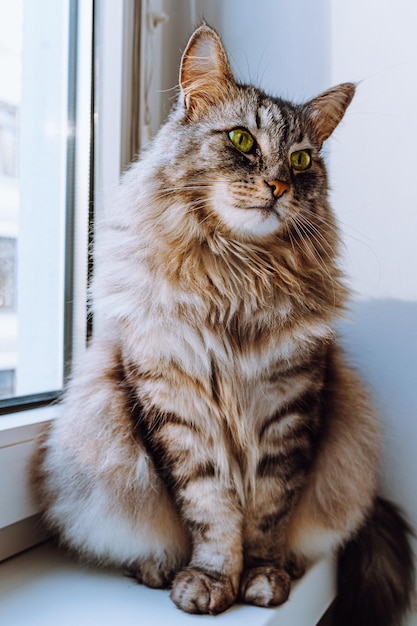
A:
(213, 438)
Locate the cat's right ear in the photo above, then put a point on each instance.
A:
(326, 111)
(205, 75)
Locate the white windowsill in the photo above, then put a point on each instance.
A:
(24, 425)
(43, 587)
(18, 433)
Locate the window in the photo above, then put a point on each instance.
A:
(37, 169)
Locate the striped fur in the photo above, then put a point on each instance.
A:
(212, 438)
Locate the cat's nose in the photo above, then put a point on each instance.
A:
(278, 187)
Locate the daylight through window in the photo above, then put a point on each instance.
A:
(35, 43)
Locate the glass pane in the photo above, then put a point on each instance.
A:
(34, 43)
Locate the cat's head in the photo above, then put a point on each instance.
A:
(248, 164)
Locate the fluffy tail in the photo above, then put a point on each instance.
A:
(376, 571)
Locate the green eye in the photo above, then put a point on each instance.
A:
(301, 160)
(242, 140)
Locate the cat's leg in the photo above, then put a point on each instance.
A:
(342, 482)
(97, 483)
(280, 474)
(265, 581)
(195, 464)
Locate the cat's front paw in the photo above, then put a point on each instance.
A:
(197, 591)
(265, 586)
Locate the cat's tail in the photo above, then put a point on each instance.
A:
(376, 571)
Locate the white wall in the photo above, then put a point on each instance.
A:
(374, 171)
(280, 46)
(373, 176)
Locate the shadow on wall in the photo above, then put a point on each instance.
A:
(380, 339)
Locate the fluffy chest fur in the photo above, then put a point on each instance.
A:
(224, 354)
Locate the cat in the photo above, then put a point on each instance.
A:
(213, 439)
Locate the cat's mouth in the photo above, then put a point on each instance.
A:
(253, 219)
(265, 209)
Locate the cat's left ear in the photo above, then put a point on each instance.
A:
(205, 75)
(326, 111)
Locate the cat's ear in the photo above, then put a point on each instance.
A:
(326, 111)
(205, 74)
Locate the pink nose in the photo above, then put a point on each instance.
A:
(278, 187)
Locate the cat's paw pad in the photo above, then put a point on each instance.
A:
(265, 586)
(196, 591)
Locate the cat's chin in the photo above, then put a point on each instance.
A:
(252, 223)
